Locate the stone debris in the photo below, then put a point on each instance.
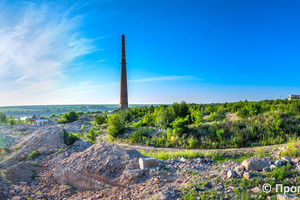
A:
(278, 163)
(287, 197)
(43, 167)
(148, 162)
(256, 164)
(231, 174)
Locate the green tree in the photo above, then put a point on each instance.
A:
(116, 125)
(69, 138)
(69, 117)
(197, 117)
(164, 116)
(243, 113)
(220, 134)
(12, 120)
(100, 119)
(92, 135)
(180, 124)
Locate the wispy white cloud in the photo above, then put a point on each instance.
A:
(36, 48)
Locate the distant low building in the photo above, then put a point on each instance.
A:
(292, 96)
(38, 121)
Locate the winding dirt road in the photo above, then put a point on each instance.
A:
(151, 148)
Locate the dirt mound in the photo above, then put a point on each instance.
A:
(23, 171)
(101, 166)
(77, 126)
(10, 135)
(40, 143)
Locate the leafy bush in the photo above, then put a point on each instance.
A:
(217, 116)
(197, 117)
(69, 117)
(138, 124)
(220, 134)
(279, 173)
(52, 115)
(163, 117)
(92, 135)
(292, 149)
(138, 136)
(116, 125)
(12, 121)
(69, 138)
(100, 119)
(193, 143)
(180, 124)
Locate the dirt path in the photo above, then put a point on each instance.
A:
(151, 148)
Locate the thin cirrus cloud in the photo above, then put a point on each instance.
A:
(36, 48)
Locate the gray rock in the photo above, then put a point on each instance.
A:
(231, 174)
(238, 171)
(247, 175)
(166, 194)
(286, 197)
(80, 146)
(266, 169)
(287, 159)
(133, 174)
(272, 167)
(223, 172)
(148, 162)
(278, 163)
(255, 190)
(256, 164)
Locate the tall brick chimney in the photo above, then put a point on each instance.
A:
(123, 81)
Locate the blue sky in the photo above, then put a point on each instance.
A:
(199, 51)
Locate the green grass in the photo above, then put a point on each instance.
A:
(172, 155)
(215, 156)
(292, 148)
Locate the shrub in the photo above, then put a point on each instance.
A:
(138, 136)
(116, 125)
(52, 115)
(69, 117)
(193, 143)
(197, 117)
(138, 124)
(292, 149)
(12, 120)
(69, 138)
(220, 134)
(100, 119)
(92, 135)
(180, 124)
(279, 173)
(164, 116)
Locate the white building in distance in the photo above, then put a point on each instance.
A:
(38, 121)
(293, 96)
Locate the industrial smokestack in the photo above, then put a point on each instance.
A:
(123, 81)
